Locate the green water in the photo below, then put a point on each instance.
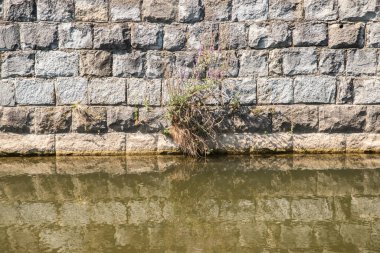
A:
(279, 204)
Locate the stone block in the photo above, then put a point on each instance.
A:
(35, 92)
(38, 36)
(144, 92)
(89, 119)
(299, 61)
(272, 143)
(366, 91)
(14, 10)
(107, 91)
(112, 213)
(29, 144)
(345, 90)
(52, 120)
(314, 89)
(312, 209)
(55, 10)
(138, 143)
(217, 10)
(201, 36)
(295, 236)
(159, 10)
(275, 91)
(361, 62)
(7, 93)
(365, 208)
(129, 64)
(184, 64)
(281, 119)
(56, 64)
(342, 118)
(152, 120)
(95, 63)
(310, 34)
(10, 35)
(71, 91)
(253, 63)
(356, 234)
(373, 119)
(331, 61)
(346, 35)
(190, 11)
(74, 214)
(272, 35)
(285, 9)
(275, 62)
(273, 209)
(114, 36)
(75, 36)
(21, 238)
(363, 143)
(63, 238)
(38, 213)
(249, 10)
(232, 36)
(321, 10)
(228, 65)
(355, 10)
(147, 36)
(159, 64)
(305, 119)
(17, 64)
(373, 33)
(122, 10)
(174, 37)
(9, 214)
(17, 119)
(319, 143)
(90, 10)
(122, 118)
(242, 90)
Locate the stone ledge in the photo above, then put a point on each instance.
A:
(26, 145)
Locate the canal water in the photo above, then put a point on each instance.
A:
(324, 204)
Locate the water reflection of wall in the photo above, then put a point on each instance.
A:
(183, 209)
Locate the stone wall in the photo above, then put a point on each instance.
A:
(75, 73)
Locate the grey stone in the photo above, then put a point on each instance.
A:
(159, 64)
(122, 118)
(7, 93)
(71, 91)
(346, 35)
(249, 10)
(311, 209)
(310, 34)
(114, 36)
(345, 90)
(373, 34)
(275, 62)
(17, 119)
(228, 65)
(184, 65)
(275, 91)
(52, 120)
(15, 10)
(305, 118)
(217, 10)
(361, 62)
(95, 63)
(331, 61)
(122, 10)
(281, 119)
(299, 61)
(144, 92)
(232, 36)
(35, 92)
(253, 63)
(56, 63)
(174, 37)
(26, 144)
(272, 35)
(152, 120)
(357, 10)
(55, 10)
(91, 10)
(241, 90)
(107, 91)
(285, 9)
(17, 64)
(10, 35)
(128, 64)
(147, 36)
(89, 119)
(315, 89)
(159, 10)
(38, 36)
(201, 36)
(363, 143)
(75, 36)
(342, 118)
(326, 10)
(190, 10)
(366, 91)
(373, 119)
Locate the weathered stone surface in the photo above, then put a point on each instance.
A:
(38, 213)
(174, 37)
(121, 10)
(217, 10)
(253, 63)
(345, 90)
(141, 143)
(326, 10)
(299, 61)
(111, 213)
(10, 37)
(147, 36)
(52, 120)
(90, 144)
(341, 118)
(74, 214)
(71, 91)
(190, 10)
(269, 35)
(285, 9)
(107, 91)
(373, 33)
(311, 209)
(275, 91)
(56, 63)
(144, 92)
(346, 35)
(305, 119)
(373, 119)
(55, 10)
(319, 143)
(366, 91)
(273, 209)
(232, 36)
(159, 10)
(152, 120)
(331, 61)
(365, 208)
(360, 62)
(159, 64)
(321, 89)
(30, 144)
(201, 36)
(90, 10)
(115, 36)
(122, 118)
(17, 64)
(75, 36)
(184, 64)
(249, 10)
(357, 9)
(15, 10)
(271, 143)
(89, 119)
(35, 92)
(129, 64)
(95, 63)
(7, 93)
(38, 36)
(228, 64)
(310, 34)
(363, 143)
(242, 90)
(281, 119)
(17, 119)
